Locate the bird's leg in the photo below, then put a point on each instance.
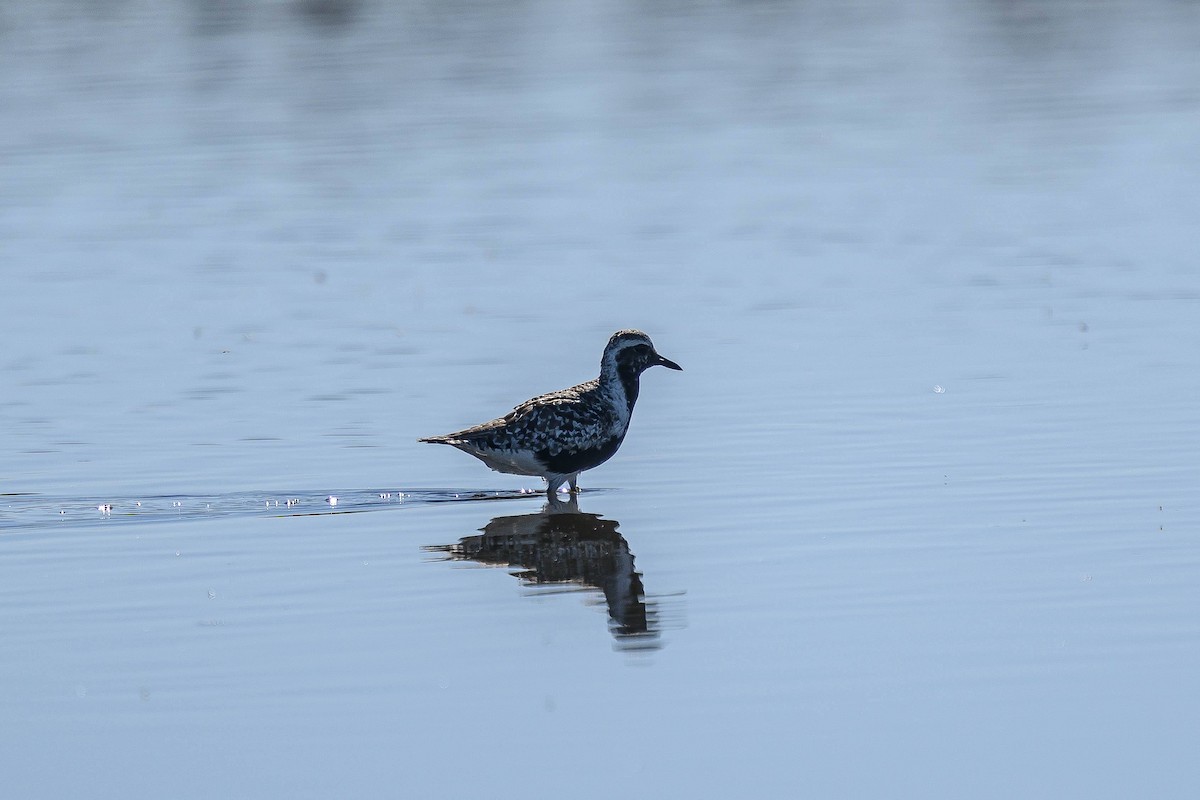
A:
(553, 485)
(574, 481)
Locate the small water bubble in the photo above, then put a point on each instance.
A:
(212, 595)
(104, 508)
(331, 500)
(939, 389)
(138, 503)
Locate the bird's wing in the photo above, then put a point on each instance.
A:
(565, 420)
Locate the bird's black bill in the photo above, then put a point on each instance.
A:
(668, 363)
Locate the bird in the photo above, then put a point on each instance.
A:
(558, 435)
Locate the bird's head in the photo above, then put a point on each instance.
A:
(632, 353)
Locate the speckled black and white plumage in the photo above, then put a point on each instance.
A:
(561, 434)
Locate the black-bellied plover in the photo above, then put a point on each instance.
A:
(559, 435)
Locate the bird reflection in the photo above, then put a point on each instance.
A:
(562, 545)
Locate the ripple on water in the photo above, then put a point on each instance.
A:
(31, 512)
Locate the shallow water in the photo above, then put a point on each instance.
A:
(918, 517)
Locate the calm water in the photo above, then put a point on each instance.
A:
(918, 519)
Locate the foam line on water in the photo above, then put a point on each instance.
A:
(28, 511)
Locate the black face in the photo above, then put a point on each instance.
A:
(632, 361)
(637, 359)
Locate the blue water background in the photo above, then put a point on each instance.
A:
(918, 518)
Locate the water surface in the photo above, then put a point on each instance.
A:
(917, 518)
